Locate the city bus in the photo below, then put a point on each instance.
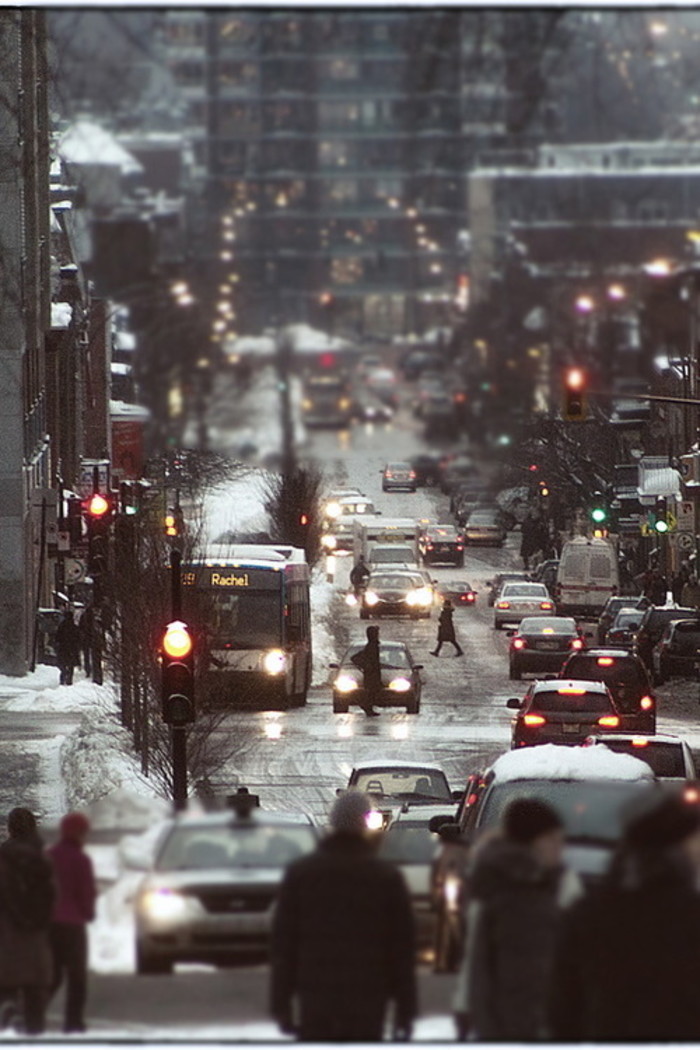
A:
(249, 606)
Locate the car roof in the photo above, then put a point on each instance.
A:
(383, 644)
(564, 762)
(553, 685)
(392, 763)
(653, 738)
(229, 818)
(529, 583)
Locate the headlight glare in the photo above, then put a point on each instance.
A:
(163, 905)
(345, 683)
(275, 661)
(371, 598)
(399, 685)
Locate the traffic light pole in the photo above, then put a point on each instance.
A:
(178, 733)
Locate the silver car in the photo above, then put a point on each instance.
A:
(516, 600)
(211, 890)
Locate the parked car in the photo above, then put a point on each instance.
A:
(542, 643)
(398, 475)
(625, 676)
(517, 600)
(612, 608)
(562, 711)
(401, 680)
(210, 893)
(500, 578)
(669, 757)
(653, 625)
(399, 592)
(441, 543)
(624, 627)
(485, 526)
(675, 655)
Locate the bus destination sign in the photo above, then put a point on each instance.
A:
(228, 577)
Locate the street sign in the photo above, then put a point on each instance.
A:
(685, 541)
(685, 515)
(75, 570)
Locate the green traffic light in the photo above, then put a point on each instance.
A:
(661, 525)
(599, 514)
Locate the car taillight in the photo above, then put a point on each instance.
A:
(503, 605)
(388, 474)
(646, 703)
(640, 741)
(518, 643)
(460, 547)
(605, 661)
(609, 721)
(471, 799)
(576, 643)
(545, 605)
(534, 720)
(411, 473)
(471, 597)
(691, 795)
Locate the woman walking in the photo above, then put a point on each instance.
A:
(446, 630)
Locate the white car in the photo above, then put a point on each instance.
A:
(669, 756)
(517, 600)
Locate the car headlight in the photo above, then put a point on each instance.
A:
(307, 403)
(344, 403)
(329, 541)
(333, 510)
(399, 685)
(275, 661)
(422, 596)
(345, 683)
(371, 598)
(163, 905)
(350, 599)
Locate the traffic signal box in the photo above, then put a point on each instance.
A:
(575, 406)
(600, 514)
(177, 691)
(659, 521)
(98, 511)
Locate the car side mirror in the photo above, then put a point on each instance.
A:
(438, 821)
(513, 703)
(450, 831)
(457, 795)
(509, 634)
(418, 667)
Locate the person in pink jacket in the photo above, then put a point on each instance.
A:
(74, 908)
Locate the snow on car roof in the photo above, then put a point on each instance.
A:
(559, 762)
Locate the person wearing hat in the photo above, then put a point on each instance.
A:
(628, 960)
(73, 909)
(446, 630)
(517, 889)
(26, 898)
(342, 946)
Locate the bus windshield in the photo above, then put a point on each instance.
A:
(246, 620)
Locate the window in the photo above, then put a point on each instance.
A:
(237, 31)
(341, 69)
(188, 74)
(340, 191)
(237, 74)
(338, 114)
(185, 34)
(347, 271)
(336, 153)
(650, 210)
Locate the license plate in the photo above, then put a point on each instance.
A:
(569, 727)
(548, 645)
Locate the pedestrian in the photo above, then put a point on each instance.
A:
(690, 595)
(85, 625)
(656, 587)
(359, 576)
(26, 898)
(446, 630)
(342, 945)
(627, 964)
(67, 646)
(518, 889)
(368, 660)
(73, 909)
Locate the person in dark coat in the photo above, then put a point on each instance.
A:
(627, 963)
(68, 642)
(517, 890)
(73, 909)
(359, 575)
(342, 946)
(368, 660)
(446, 629)
(26, 899)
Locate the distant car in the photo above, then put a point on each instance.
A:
(675, 655)
(669, 756)
(398, 592)
(401, 681)
(562, 711)
(625, 676)
(382, 382)
(620, 634)
(612, 608)
(542, 643)
(426, 468)
(467, 497)
(653, 625)
(398, 475)
(441, 543)
(210, 893)
(405, 783)
(485, 526)
(370, 409)
(348, 503)
(418, 361)
(456, 469)
(517, 600)
(504, 577)
(458, 591)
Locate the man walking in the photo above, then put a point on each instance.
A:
(67, 646)
(342, 944)
(446, 630)
(74, 908)
(368, 660)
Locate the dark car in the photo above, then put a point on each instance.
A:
(466, 497)
(624, 627)
(542, 643)
(458, 591)
(676, 652)
(456, 469)
(625, 676)
(504, 577)
(654, 623)
(401, 681)
(562, 711)
(426, 469)
(441, 543)
(612, 608)
(398, 475)
(398, 592)
(485, 526)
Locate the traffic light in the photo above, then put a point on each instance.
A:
(543, 492)
(574, 407)
(599, 510)
(177, 683)
(660, 516)
(173, 522)
(98, 511)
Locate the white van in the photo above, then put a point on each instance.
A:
(587, 576)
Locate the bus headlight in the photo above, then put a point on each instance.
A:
(275, 661)
(333, 510)
(345, 683)
(399, 685)
(371, 598)
(329, 541)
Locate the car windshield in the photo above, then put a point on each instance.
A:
(482, 517)
(400, 782)
(392, 555)
(391, 656)
(592, 811)
(395, 583)
(445, 533)
(664, 757)
(628, 619)
(687, 635)
(569, 699)
(548, 625)
(234, 846)
(398, 466)
(405, 843)
(525, 590)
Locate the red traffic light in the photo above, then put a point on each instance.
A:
(303, 519)
(177, 640)
(97, 506)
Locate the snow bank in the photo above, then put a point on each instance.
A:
(87, 143)
(323, 595)
(235, 506)
(61, 315)
(558, 762)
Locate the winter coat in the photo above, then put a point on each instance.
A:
(68, 640)
(446, 627)
(343, 932)
(512, 925)
(368, 661)
(26, 898)
(628, 959)
(75, 883)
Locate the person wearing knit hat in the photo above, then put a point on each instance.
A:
(518, 887)
(628, 959)
(73, 910)
(342, 947)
